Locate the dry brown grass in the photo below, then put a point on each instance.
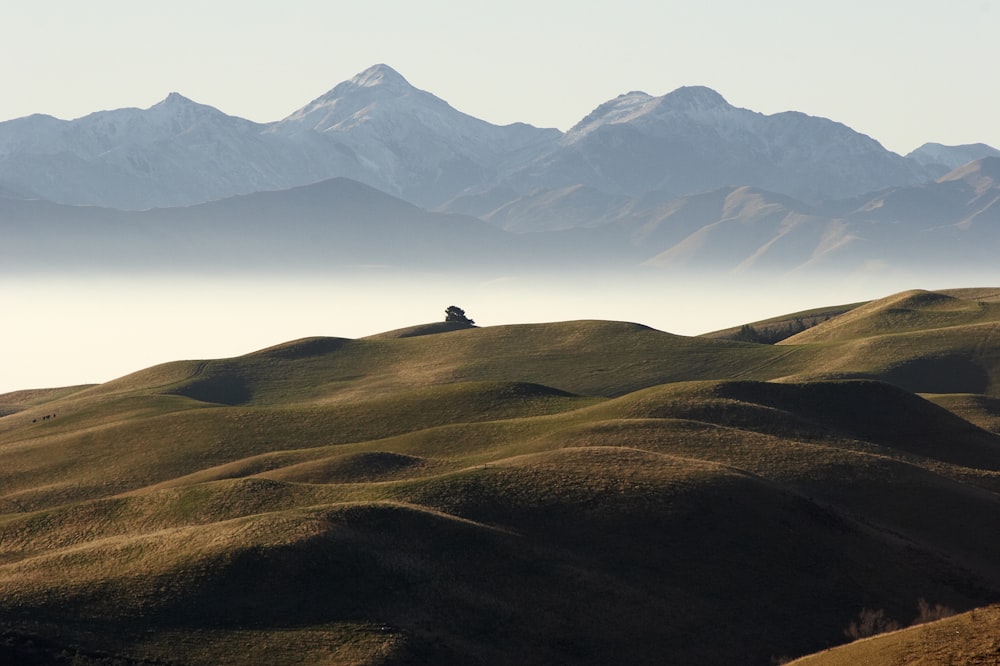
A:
(586, 492)
(967, 639)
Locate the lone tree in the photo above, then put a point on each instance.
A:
(457, 314)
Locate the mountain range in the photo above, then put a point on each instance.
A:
(375, 128)
(380, 130)
(340, 224)
(677, 181)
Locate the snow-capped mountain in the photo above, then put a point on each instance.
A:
(176, 152)
(378, 129)
(411, 143)
(692, 140)
(375, 128)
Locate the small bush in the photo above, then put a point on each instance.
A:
(770, 334)
(869, 623)
(927, 613)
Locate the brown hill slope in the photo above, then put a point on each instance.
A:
(584, 492)
(926, 342)
(969, 638)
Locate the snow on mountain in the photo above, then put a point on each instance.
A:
(352, 103)
(692, 139)
(649, 113)
(411, 143)
(101, 131)
(378, 129)
(176, 152)
(375, 128)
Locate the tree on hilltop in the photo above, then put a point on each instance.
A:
(457, 314)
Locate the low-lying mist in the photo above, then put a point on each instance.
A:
(62, 330)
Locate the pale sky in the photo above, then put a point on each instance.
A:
(901, 71)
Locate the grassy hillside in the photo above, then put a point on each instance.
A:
(581, 492)
(970, 638)
(779, 328)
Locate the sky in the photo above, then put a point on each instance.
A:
(902, 71)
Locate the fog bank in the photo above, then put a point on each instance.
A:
(63, 330)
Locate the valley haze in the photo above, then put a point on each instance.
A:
(732, 395)
(678, 211)
(733, 388)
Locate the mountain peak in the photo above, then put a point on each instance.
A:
(633, 106)
(379, 80)
(694, 97)
(623, 108)
(175, 99)
(177, 105)
(379, 75)
(952, 156)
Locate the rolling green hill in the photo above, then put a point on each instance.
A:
(582, 492)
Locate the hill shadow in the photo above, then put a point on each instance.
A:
(952, 373)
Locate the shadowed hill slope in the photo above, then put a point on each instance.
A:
(583, 492)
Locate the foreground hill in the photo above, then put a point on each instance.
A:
(970, 638)
(580, 492)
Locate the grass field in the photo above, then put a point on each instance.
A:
(583, 492)
(970, 638)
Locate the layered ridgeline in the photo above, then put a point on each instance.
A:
(378, 172)
(375, 128)
(949, 226)
(378, 129)
(582, 492)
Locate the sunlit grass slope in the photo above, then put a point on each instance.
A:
(969, 638)
(906, 312)
(926, 342)
(583, 492)
(585, 357)
(784, 326)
